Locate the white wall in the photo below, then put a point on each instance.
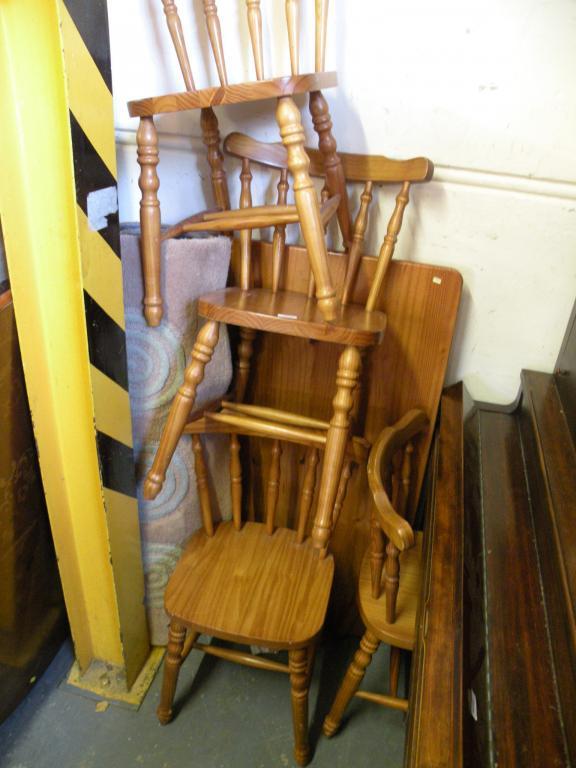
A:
(485, 89)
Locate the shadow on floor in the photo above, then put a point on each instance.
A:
(228, 716)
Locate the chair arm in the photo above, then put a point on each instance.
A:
(388, 442)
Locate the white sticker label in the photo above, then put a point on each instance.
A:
(472, 704)
(437, 280)
(100, 204)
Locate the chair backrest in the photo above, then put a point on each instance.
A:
(310, 434)
(254, 17)
(368, 169)
(389, 477)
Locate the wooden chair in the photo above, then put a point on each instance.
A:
(254, 584)
(294, 314)
(306, 209)
(391, 573)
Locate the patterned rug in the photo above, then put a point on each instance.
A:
(157, 358)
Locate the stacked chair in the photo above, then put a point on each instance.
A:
(261, 583)
(306, 209)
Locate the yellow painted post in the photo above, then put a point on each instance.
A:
(59, 268)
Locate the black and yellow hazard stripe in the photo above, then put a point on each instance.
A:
(84, 25)
(87, 63)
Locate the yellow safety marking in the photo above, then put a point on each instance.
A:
(89, 96)
(37, 199)
(111, 407)
(124, 531)
(101, 270)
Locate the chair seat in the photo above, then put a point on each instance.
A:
(403, 631)
(238, 93)
(249, 587)
(292, 314)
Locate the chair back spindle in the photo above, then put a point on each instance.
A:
(335, 177)
(337, 170)
(341, 493)
(391, 580)
(377, 545)
(245, 352)
(387, 249)
(236, 481)
(321, 26)
(211, 139)
(255, 27)
(273, 486)
(245, 234)
(202, 485)
(177, 35)
(307, 493)
(279, 239)
(324, 197)
(215, 35)
(292, 20)
(358, 234)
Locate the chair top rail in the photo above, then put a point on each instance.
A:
(362, 168)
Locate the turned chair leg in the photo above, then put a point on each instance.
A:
(290, 123)
(336, 441)
(211, 138)
(147, 148)
(354, 676)
(335, 178)
(172, 663)
(181, 406)
(299, 681)
(395, 656)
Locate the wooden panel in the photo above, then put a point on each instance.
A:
(551, 472)
(566, 374)
(232, 94)
(406, 371)
(32, 615)
(523, 725)
(434, 734)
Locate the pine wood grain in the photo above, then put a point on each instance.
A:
(232, 94)
(405, 371)
(265, 606)
(360, 168)
(435, 726)
(292, 314)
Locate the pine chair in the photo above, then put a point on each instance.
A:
(391, 573)
(296, 314)
(306, 210)
(254, 584)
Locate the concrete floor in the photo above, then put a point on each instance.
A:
(228, 716)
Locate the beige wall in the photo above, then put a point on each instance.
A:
(485, 89)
